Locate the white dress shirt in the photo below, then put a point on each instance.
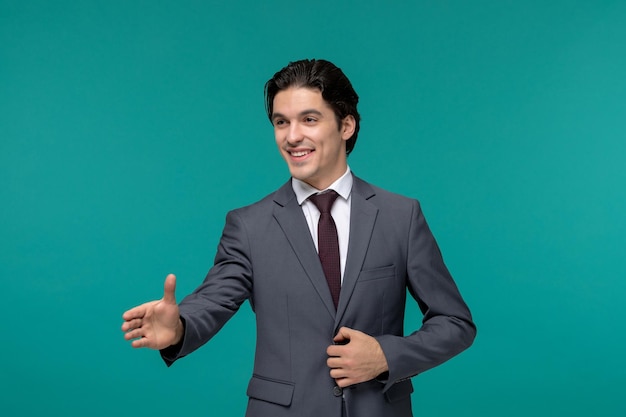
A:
(340, 210)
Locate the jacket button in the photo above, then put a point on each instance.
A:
(337, 391)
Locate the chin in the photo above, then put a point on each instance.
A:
(299, 174)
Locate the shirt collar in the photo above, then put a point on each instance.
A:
(343, 187)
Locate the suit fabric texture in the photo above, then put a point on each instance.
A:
(266, 255)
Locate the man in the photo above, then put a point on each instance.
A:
(330, 325)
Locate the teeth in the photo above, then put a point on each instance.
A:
(301, 153)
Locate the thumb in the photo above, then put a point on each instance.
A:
(169, 295)
(343, 335)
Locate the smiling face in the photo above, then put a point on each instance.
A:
(308, 136)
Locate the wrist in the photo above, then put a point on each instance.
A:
(179, 332)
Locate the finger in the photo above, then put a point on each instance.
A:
(131, 324)
(344, 382)
(140, 343)
(341, 378)
(334, 350)
(170, 289)
(133, 334)
(343, 334)
(333, 363)
(337, 374)
(134, 313)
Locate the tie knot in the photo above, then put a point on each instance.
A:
(324, 201)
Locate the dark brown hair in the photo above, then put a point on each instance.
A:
(324, 76)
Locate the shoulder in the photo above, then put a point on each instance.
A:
(382, 197)
(266, 205)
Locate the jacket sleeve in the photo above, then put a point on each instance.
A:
(227, 285)
(447, 327)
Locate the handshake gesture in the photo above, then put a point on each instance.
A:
(156, 324)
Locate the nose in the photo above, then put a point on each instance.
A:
(294, 134)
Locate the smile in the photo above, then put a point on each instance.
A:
(299, 153)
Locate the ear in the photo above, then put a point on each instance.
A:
(348, 124)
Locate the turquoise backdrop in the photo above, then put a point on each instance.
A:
(121, 121)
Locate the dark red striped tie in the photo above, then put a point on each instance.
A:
(327, 242)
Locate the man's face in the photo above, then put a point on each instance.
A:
(308, 136)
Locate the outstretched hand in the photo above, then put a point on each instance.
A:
(357, 357)
(156, 324)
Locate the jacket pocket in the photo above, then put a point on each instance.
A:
(270, 390)
(399, 390)
(377, 273)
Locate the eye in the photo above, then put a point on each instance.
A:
(279, 122)
(310, 119)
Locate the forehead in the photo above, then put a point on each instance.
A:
(298, 99)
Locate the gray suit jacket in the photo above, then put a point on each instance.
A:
(266, 255)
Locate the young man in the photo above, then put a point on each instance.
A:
(328, 285)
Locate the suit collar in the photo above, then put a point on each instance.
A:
(288, 214)
(343, 187)
(285, 193)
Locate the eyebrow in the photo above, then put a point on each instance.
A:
(302, 113)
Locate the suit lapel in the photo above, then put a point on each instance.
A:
(362, 219)
(289, 216)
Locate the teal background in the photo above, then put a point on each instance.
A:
(121, 121)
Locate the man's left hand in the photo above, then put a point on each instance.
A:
(356, 357)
